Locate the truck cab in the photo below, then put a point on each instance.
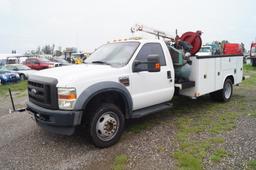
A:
(123, 80)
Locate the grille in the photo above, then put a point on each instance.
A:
(43, 94)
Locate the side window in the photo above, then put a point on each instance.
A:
(151, 49)
(34, 61)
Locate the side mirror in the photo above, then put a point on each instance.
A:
(151, 65)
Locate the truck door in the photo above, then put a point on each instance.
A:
(151, 88)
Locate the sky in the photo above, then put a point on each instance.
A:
(85, 24)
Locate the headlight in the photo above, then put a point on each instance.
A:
(66, 98)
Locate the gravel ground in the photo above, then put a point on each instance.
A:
(23, 145)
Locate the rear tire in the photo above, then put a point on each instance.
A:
(106, 125)
(225, 94)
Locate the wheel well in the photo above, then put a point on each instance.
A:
(231, 78)
(107, 97)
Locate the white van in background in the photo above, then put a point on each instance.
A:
(205, 51)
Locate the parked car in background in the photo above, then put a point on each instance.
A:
(253, 54)
(205, 51)
(40, 63)
(61, 61)
(23, 70)
(7, 76)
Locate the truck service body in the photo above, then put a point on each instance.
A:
(103, 95)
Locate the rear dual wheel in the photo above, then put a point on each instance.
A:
(225, 94)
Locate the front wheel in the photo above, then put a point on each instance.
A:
(106, 125)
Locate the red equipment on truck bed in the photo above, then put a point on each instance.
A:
(232, 49)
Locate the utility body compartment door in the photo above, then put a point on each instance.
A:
(206, 76)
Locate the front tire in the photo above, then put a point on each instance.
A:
(106, 125)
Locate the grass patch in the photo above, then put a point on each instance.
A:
(198, 128)
(218, 155)
(251, 165)
(249, 67)
(19, 87)
(253, 114)
(120, 162)
(249, 70)
(161, 149)
(188, 161)
(210, 118)
(138, 127)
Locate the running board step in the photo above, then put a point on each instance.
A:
(152, 109)
(185, 85)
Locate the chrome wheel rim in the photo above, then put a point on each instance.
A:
(228, 90)
(107, 126)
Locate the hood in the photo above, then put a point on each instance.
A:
(8, 74)
(74, 73)
(27, 72)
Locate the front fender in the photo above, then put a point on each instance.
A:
(98, 88)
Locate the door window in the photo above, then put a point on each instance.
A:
(148, 50)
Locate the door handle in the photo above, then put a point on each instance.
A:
(169, 75)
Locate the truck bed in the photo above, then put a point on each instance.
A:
(209, 73)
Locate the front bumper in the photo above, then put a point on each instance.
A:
(57, 121)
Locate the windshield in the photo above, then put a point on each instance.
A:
(115, 54)
(205, 49)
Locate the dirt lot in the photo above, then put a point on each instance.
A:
(195, 134)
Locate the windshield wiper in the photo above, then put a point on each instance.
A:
(101, 62)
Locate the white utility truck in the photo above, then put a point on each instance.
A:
(123, 80)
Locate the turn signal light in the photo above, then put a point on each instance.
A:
(157, 66)
(70, 96)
